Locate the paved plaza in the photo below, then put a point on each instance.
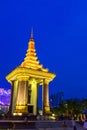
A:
(37, 125)
(57, 126)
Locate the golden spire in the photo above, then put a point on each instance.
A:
(31, 36)
(31, 60)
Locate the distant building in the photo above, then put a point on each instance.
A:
(56, 99)
(4, 99)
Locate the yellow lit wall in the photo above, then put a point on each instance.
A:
(21, 97)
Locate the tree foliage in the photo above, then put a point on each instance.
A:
(72, 107)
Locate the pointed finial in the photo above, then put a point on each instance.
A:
(31, 37)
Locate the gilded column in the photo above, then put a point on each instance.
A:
(45, 98)
(34, 97)
(11, 98)
(37, 99)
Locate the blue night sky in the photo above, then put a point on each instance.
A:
(60, 34)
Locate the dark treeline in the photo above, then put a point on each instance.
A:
(71, 107)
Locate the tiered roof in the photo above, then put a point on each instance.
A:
(31, 60)
(30, 67)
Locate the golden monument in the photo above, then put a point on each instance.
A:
(25, 81)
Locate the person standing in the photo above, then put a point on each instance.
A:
(64, 125)
(74, 124)
(85, 125)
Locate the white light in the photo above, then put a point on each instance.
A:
(14, 114)
(20, 114)
(53, 114)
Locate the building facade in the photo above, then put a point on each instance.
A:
(5, 99)
(56, 99)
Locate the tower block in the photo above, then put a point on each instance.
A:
(25, 81)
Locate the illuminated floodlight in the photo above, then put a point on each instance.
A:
(53, 114)
(14, 114)
(19, 114)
